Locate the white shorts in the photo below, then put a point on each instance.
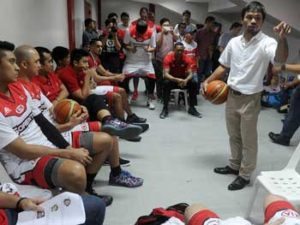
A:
(291, 217)
(139, 70)
(104, 89)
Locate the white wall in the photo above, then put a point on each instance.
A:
(34, 22)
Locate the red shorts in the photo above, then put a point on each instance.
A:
(200, 217)
(275, 207)
(40, 175)
(3, 217)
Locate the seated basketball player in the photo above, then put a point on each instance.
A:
(277, 211)
(11, 204)
(104, 78)
(93, 141)
(178, 74)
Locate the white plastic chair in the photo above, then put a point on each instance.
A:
(176, 93)
(285, 182)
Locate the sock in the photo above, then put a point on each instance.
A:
(106, 118)
(116, 171)
(90, 177)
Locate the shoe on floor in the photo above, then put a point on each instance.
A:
(150, 104)
(144, 126)
(164, 113)
(116, 127)
(125, 179)
(135, 139)
(278, 139)
(238, 184)
(134, 96)
(226, 170)
(193, 111)
(108, 199)
(123, 162)
(133, 118)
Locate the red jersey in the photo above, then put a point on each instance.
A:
(72, 80)
(179, 68)
(50, 85)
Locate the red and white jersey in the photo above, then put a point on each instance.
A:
(190, 49)
(44, 105)
(17, 114)
(140, 57)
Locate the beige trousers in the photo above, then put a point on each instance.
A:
(241, 119)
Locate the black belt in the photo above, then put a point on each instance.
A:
(235, 92)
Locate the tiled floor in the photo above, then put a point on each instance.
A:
(176, 158)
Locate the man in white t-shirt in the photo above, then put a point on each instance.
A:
(140, 43)
(248, 57)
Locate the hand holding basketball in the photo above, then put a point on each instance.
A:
(65, 109)
(215, 91)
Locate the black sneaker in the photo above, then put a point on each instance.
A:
(124, 162)
(116, 127)
(193, 111)
(144, 126)
(135, 139)
(164, 113)
(135, 119)
(108, 199)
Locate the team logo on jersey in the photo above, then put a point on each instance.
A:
(289, 213)
(6, 111)
(20, 109)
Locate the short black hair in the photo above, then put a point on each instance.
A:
(210, 19)
(94, 40)
(187, 12)
(141, 26)
(142, 9)
(181, 24)
(77, 54)
(124, 14)
(88, 21)
(254, 6)
(59, 53)
(5, 46)
(41, 51)
(111, 15)
(179, 43)
(235, 25)
(163, 20)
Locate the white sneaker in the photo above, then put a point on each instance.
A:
(150, 104)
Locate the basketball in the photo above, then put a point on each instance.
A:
(217, 92)
(64, 109)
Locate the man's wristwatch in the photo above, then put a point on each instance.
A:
(283, 67)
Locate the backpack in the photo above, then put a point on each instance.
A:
(160, 215)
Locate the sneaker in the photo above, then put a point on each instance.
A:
(164, 113)
(116, 127)
(135, 119)
(124, 162)
(125, 179)
(144, 126)
(150, 104)
(134, 96)
(108, 199)
(193, 111)
(135, 139)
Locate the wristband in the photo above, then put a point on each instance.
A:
(19, 202)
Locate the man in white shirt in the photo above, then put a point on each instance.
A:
(248, 57)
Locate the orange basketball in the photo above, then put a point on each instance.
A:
(217, 92)
(64, 109)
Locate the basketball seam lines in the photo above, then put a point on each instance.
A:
(221, 92)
